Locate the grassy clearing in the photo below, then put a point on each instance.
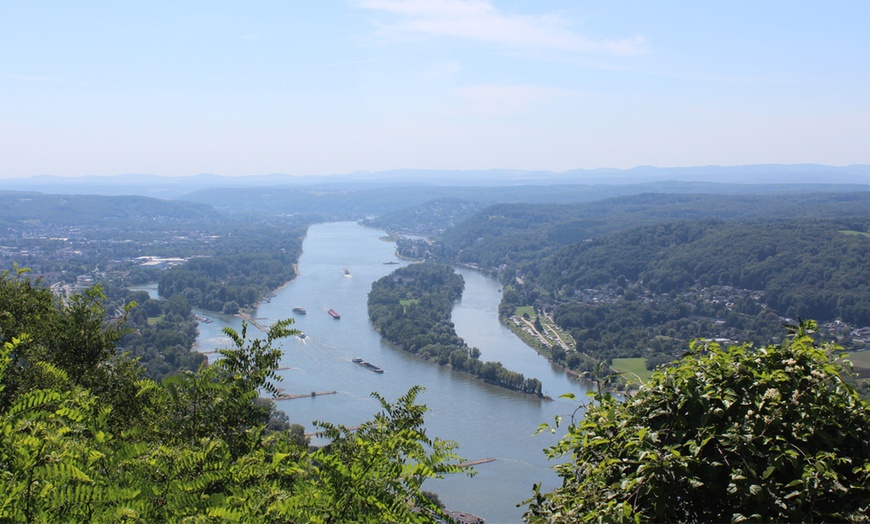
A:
(152, 321)
(852, 232)
(633, 369)
(529, 310)
(409, 302)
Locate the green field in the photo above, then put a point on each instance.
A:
(529, 310)
(851, 232)
(409, 302)
(633, 370)
(152, 321)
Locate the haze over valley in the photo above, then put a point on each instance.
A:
(429, 261)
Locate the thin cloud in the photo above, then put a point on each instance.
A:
(480, 20)
(441, 70)
(26, 77)
(494, 100)
(355, 62)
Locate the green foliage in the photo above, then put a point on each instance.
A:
(356, 484)
(71, 337)
(160, 334)
(518, 232)
(227, 282)
(761, 434)
(107, 445)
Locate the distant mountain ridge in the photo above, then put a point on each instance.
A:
(171, 187)
(18, 209)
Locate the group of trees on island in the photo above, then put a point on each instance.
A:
(237, 268)
(770, 433)
(226, 283)
(411, 308)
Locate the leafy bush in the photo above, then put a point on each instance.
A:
(761, 434)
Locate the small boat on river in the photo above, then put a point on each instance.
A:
(334, 314)
(300, 310)
(367, 365)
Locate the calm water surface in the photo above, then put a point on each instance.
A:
(485, 420)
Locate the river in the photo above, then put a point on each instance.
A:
(486, 421)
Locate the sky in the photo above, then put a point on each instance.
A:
(305, 87)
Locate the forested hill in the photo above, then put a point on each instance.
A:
(647, 291)
(513, 233)
(815, 269)
(19, 208)
(355, 201)
(429, 218)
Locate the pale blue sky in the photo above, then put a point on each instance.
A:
(335, 86)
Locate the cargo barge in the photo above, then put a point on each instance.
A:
(367, 365)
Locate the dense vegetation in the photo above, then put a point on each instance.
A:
(85, 437)
(28, 210)
(767, 434)
(429, 218)
(159, 334)
(227, 282)
(351, 201)
(244, 264)
(647, 291)
(804, 267)
(411, 307)
(517, 234)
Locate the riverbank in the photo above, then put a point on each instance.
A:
(246, 314)
(534, 342)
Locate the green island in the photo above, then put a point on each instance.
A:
(411, 308)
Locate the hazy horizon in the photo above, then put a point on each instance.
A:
(339, 87)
